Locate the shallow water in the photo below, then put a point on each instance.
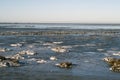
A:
(86, 51)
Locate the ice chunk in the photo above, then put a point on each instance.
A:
(58, 42)
(17, 56)
(41, 61)
(27, 52)
(16, 45)
(53, 58)
(59, 49)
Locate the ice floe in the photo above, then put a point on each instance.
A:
(48, 44)
(53, 58)
(58, 42)
(66, 47)
(16, 45)
(41, 61)
(52, 43)
(27, 52)
(59, 49)
(17, 56)
(20, 55)
(116, 54)
(4, 49)
(37, 60)
(101, 50)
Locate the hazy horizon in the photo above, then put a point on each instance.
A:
(60, 11)
(60, 23)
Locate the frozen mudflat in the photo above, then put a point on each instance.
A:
(38, 59)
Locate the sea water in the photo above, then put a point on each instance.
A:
(86, 51)
(60, 25)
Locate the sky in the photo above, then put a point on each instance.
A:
(60, 11)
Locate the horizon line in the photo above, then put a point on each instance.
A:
(59, 23)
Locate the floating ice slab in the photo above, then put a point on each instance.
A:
(59, 49)
(27, 52)
(53, 58)
(16, 45)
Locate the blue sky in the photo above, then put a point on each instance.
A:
(60, 11)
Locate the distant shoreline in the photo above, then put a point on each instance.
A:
(62, 23)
